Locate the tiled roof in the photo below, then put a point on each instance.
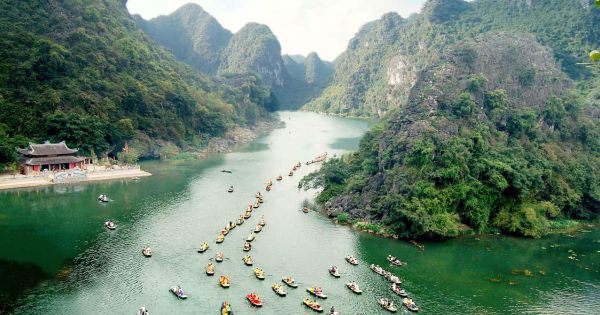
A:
(46, 149)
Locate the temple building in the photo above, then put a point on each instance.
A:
(49, 157)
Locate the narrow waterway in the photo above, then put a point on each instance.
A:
(57, 258)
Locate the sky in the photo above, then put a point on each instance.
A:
(302, 26)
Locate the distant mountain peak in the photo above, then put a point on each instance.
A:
(444, 10)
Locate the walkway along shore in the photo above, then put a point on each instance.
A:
(20, 181)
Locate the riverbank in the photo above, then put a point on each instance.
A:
(20, 181)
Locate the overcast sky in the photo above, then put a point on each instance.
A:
(302, 26)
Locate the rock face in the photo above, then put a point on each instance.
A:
(254, 48)
(194, 36)
(382, 62)
(197, 38)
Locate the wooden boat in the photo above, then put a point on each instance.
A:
(291, 173)
(259, 273)
(226, 308)
(230, 190)
(226, 171)
(256, 205)
(178, 292)
(353, 286)
(203, 247)
(262, 222)
(231, 225)
(247, 247)
(146, 251)
(225, 230)
(248, 261)
(219, 256)
(394, 261)
(289, 281)
(333, 270)
(419, 245)
(278, 289)
(314, 305)
(143, 311)
(410, 305)
(268, 188)
(393, 279)
(240, 221)
(247, 215)
(254, 299)
(210, 269)
(305, 210)
(279, 178)
(378, 270)
(224, 281)
(350, 259)
(110, 225)
(251, 237)
(260, 200)
(258, 195)
(317, 291)
(398, 290)
(220, 238)
(103, 198)
(258, 228)
(387, 304)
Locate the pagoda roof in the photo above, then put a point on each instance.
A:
(47, 149)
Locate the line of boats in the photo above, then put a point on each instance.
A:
(279, 289)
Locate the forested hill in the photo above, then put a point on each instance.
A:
(84, 72)
(197, 38)
(382, 62)
(495, 131)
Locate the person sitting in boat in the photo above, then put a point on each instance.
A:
(179, 291)
(332, 310)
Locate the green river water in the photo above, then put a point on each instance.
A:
(57, 258)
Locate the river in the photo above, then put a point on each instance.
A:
(57, 258)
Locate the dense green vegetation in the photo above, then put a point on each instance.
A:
(382, 62)
(489, 140)
(203, 43)
(84, 72)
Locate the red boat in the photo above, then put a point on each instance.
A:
(305, 210)
(254, 299)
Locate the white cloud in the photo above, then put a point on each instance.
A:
(302, 26)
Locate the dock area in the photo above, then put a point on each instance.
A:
(68, 177)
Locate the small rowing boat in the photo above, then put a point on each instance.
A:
(220, 238)
(393, 278)
(305, 210)
(110, 225)
(224, 281)
(230, 190)
(226, 308)
(219, 257)
(103, 198)
(353, 286)
(240, 221)
(254, 299)
(247, 247)
(256, 205)
(333, 270)
(291, 173)
(378, 270)
(289, 281)
(395, 261)
(279, 289)
(314, 305)
(352, 260)
(410, 304)
(251, 237)
(262, 221)
(247, 215)
(210, 269)
(317, 291)
(248, 261)
(398, 290)
(143, 311)
(178, 292)
(146, 251)
(259, 273)
(258, 228)
(279, 178)
(203, 247)
(387, 304)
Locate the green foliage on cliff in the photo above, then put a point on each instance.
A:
(476, 147)
(381, 63)
(84, 72)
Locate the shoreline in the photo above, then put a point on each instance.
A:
(40, 181)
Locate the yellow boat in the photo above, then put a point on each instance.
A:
(220, 238)
(259, 273)
(224, 281)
